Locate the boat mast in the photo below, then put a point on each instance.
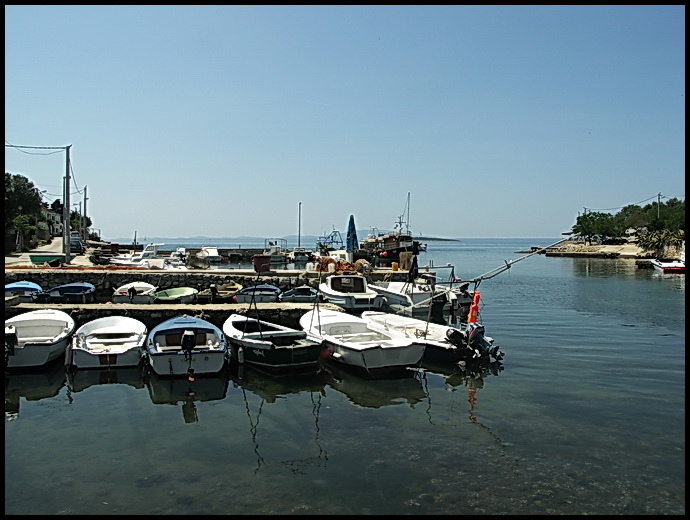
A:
(299, 225)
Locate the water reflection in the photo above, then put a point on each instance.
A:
(395, 388)
(469, 376)
(79, 380)
(176, 390)
(32, 385)
(273, 388)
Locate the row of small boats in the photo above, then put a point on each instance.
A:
(352, 292)
(190, 346)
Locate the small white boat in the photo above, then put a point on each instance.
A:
(300, 255)
(138, 258)
(187, 346)
(35, 338)
(351, 292)
(270, 345)
(352, 341)
(415, 296)
(669, 265)
(110, 341)
(176, 295)
(211, 254)
(444, 343)
(134, 292)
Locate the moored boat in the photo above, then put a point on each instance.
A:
(23, 290)
(134, 292)
(35, 338)
(351, 292)
(669, 265)
(110, 341)
(176, 295)
(187, 346)
(352, 341)
(77, 292)
(444, 343)
(269, 345)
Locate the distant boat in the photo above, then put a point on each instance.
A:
(669, 265)
(35, 338)
(138, 258)
(211, 254)
(222, 293)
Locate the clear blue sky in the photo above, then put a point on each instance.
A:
(219, 120)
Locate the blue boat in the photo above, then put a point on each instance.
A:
(78, 292)
(22, 290)
(186, 346)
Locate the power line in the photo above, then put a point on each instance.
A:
(633, 204)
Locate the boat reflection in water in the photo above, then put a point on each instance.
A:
(470, 375)
(79, 380)
(175, 390)
(374, 391)
(32, 384)
(284, 440)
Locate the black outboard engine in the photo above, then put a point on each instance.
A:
(188, 341)
(456, 337)
(132, 292)
(11, 340)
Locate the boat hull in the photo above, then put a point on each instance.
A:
(36, 338)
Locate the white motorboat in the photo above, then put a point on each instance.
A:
(110, 341)
(669, 265)
(138, 258)
(134, 292)
(35, 338)
(351, 292)
(444, 343)
(352, 341)
(187, 346)
(415, 296)
(211, 254)
(261, 293)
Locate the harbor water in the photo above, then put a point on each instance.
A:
(586, 415)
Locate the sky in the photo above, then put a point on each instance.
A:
(269, 121)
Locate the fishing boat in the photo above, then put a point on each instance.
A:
(134, 292)
(352, 341)
(269, 345)
(669, 265)
(187, 346)
(444, 343)
(351, 292)
(37, 337)
(176, 295)
(22, 290)
(77, 292)
(110, 341)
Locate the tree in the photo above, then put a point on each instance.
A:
(663, 242)
(21, 198)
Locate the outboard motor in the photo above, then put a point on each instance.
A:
(456, 337)
(11, 341)
(132, 292)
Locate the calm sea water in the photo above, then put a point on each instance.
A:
(585, 416)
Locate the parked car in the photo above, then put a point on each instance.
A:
(77, 245)
(302, 294)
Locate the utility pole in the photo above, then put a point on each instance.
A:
(66, 232)
(85, 229)
(658, 204)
